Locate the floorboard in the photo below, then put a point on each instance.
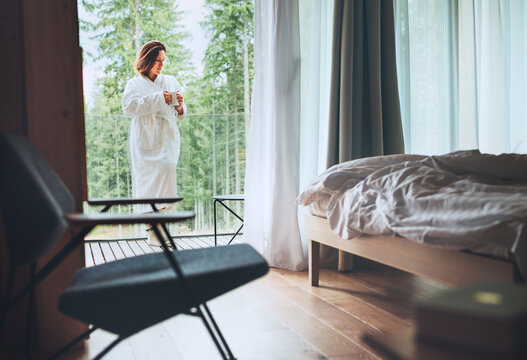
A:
(88, 256)
(98, 257)
(145, 247)
(117, 251)
(125, 247)
(107, 252)
(136, 248)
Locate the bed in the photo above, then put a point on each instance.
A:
(455, 218)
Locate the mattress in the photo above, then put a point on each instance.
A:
(464, 200)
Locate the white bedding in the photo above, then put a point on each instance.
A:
(343, 176)
(461, 201)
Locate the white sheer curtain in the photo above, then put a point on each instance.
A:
(273, 144)
(462, 75)
(316, 19)
(500, 46)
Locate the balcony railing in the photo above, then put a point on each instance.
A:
(212, 162)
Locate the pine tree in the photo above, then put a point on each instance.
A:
(123, 27)
(229, 66)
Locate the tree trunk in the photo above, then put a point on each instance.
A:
(137, 36)
(214, 183)
(236, 137)
(246, 94)
(195, 207)
(117, 177)
(237, 176)
(227, 172)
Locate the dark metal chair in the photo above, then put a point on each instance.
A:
(108, 296)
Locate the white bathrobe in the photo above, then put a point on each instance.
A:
(154, 137)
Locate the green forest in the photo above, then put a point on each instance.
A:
(212, 159)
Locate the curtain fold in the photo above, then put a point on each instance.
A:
(500, 43)
(364, 110)
(462, 75)
(427, 52)
(316, 18)
(365, 118)
(272, 167)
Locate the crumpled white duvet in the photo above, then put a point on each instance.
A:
(461, 201)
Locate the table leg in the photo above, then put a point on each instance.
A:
(233, 236)
(215, 234)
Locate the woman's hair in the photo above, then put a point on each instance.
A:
(147, 56)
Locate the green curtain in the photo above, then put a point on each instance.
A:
(365, 115)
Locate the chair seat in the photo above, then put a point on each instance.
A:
(128, 295)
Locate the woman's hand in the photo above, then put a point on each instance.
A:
(168, 97)
(179, 99)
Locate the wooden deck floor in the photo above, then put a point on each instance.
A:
(100, 252)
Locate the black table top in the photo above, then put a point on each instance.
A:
(239, 197)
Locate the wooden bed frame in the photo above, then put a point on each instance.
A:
(452, 268)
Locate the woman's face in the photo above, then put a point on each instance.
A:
(158, 64)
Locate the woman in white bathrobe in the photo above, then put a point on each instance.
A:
(154, 135)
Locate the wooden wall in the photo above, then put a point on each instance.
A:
(41, 97)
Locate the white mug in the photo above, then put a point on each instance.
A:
(174, 98)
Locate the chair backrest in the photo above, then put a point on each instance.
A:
(33, 200)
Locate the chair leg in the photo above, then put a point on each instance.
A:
(169, 237)
(72, 343)
(215, 333)
(165, 229)
(108, 348)
(225, 351)
(50, 265)
(217, 329)
(30, 315)
(5, 305)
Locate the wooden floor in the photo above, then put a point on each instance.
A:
(279, 316)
